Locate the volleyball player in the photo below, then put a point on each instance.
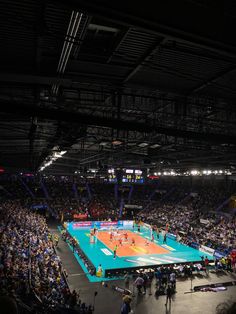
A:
(126, 236)
(152, 237)
(111, 236)
(120, 241)
(133, 242)
(94, 230)
(164, 239)
(115, 249)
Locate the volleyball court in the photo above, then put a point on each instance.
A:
(127, 243)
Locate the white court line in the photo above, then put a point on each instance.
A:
(168, 247)
(176, 258)
(133, 261)
(162, 259)
(147, 260)
(106, 251)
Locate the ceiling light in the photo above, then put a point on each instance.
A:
(93, 170)
(155, 145)
(194, 172)
(56, 155)
(117, 142)
(129, 171)
(143, 144)
(103, 143)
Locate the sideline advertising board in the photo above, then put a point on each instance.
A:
(103, 224)
(219, 254)
(206, 249)
(80, 216)
(194, 245)
(171, 236)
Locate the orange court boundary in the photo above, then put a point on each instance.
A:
(127, 249)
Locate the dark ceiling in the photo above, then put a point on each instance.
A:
(117, 84)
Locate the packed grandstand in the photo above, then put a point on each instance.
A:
(198, 214)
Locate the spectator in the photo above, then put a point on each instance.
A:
(139, 284)
(169, 293)
(125, 308)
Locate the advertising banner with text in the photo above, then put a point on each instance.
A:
(206, 249)
(103, 224)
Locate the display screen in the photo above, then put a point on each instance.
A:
(112, 178)
(138, 178)
(127, 176)
(132, 178)
(129, 171)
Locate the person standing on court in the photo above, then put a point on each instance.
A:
(152, 237)
(164, 239)
(115, 249)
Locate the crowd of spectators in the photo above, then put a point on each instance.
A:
(194, 224)
(188, 204)
(31, 273)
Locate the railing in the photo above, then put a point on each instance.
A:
(29, 266)
(62, 270)
(87, 262)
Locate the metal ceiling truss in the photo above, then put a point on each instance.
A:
(106, 81)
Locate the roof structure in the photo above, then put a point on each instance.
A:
(117, 84)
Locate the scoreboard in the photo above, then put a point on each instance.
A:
(132, 176)
(127, 176)
(112, 178)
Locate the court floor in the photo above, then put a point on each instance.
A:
(129, 255)
(125, 247)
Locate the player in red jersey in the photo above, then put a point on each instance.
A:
(111, 236)
(167, 227)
